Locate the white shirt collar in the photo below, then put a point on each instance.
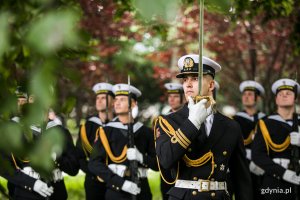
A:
(208, 123)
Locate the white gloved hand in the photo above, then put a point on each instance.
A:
(295, 138)
(118, 169)
(256, 169)
(134, 154)
(131, 187)
(135, 112)
(291, 177)
(42, 188)
(198, 112)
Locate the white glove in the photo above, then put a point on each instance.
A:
(198, 112)
(295, 138)
(291, 177)
(131, 187)
(118, 169)
(256, 169)
(134, 154)
(135, 111)
(42, 188)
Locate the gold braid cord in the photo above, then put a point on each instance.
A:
(249, 139)
(161, 174)
(116, 159)
(178, 136)
(86, 146)
(14, 160)
(269, 142)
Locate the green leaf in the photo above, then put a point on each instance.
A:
(219, 6)
(42, 84)
(165, 10)
(12, 134)
(53, 31)
(69, 104)
(4, 32)
(51, 141)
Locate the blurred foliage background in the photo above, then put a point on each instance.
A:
(58, 49)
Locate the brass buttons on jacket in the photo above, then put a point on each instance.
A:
(194, 193)
(224, 153)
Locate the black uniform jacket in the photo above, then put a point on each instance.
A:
(116, 134)
(248, 124)
(225, 141)
(94, 189)
(66, 162)
(263, 155)
(86, 140)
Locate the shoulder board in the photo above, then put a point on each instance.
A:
(245, 115)
(278, 118)
(16, 119)
(35, 128)
(119, 125)
(53, 123)
(96, 120)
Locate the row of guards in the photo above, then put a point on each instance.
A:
(199, 152)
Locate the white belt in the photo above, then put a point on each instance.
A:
(30, 172)
(201, 185)
(283, 162)
(248, 154)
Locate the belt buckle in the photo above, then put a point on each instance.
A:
(206, 184)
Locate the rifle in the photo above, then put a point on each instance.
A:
(106, 109)
(133, 163)
(295, 150)
(106, 106)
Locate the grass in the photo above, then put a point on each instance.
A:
(75, 186)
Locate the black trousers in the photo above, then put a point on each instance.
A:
(94, 189)
(164, 188)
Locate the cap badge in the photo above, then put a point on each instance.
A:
(188, 62)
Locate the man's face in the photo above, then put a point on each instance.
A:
(190, 86)
(121, 104)
(101, 102)
(248, 98)
(285, 98)
(174, 101)
(21, 101)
